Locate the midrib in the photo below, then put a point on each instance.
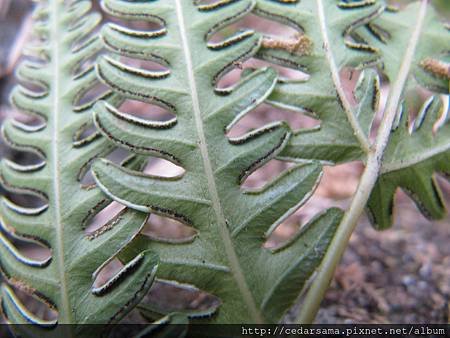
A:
(223, 229)
(64, 313)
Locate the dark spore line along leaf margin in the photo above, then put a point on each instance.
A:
(64, 281)
(227, 257)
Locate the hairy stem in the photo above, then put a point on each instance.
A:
(369, 177)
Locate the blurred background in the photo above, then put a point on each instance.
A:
(400, 275)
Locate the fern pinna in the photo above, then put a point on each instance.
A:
(332, 35)
(325, 44)
(419, 147)
(381, 38)
(227, 257)
(408, 151)
(64, 281)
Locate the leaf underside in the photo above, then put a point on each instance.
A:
(64, 281)
(331, 35)
(419, 148)
(412, 162)
(227, 258)
(329, 26)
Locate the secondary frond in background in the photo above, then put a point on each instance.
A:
(412, 161)
(56, 81)
(419, 148)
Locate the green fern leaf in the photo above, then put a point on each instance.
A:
(411, 161)
(418, 150)
(389, 35)
(325, 45)
(227, 257)
(65, 280)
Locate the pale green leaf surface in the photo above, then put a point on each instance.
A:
(411, 162)
(367, 93)
(419, 148)
(65, 280)
(227, 257)
(324, 48)
(430, 64)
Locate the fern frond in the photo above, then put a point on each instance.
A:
(431, 60)
(404, 159)
(418, 149)
(411, 162)
(65, 280)
(227, 257)
(328, 26)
